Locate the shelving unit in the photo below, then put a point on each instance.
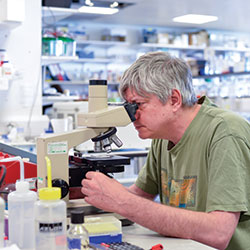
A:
(101, 61)
(138, 48)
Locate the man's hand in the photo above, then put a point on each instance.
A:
(103, 192)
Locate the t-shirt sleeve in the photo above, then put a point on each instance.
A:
(147, 178)
(229, 175)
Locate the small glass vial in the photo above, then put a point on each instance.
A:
(77, 237)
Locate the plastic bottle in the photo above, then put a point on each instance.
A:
(50, 217)
(2, 207)
(21, 216)
(78, 236)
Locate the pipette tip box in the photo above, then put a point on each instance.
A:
(103, 229)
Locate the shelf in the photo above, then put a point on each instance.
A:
(227, 49)
(65, 59)
(94, 60)
(191, 47)
(222, 75)
(57, 59)
(75, 82)
(56, 14)
(171, 46)
(104, 44)
(52, 99)
(58, 11)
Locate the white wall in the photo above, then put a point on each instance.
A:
(22, 102)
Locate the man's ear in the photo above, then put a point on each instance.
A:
(176, 99)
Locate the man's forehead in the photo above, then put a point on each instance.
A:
(131, 95)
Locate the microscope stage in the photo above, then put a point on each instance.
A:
(109, 160)
(79, 166)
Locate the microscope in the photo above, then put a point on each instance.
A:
(98, 124)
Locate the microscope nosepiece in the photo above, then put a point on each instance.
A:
(97, 146)
(116, 140)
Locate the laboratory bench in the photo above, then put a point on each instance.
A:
(145, 238)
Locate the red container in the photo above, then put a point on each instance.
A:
(13, 170)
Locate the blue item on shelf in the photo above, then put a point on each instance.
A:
(82, 54)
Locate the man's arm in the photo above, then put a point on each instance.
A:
(135, 190)
(214, 229)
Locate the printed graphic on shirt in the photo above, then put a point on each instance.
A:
(179, 192)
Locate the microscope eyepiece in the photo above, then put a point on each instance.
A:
(131, 109)
(97, 82)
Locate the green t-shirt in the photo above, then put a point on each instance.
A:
(207, 170)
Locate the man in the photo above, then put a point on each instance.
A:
(199, 161)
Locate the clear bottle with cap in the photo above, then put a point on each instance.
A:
(77, 236)
(21, 213)
(50, 217)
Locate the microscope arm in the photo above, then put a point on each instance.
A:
(99, 119)
(57, 147)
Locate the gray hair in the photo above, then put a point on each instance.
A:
(158, 73)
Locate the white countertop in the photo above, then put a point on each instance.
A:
(145, 238)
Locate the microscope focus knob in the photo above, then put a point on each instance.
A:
(61, 184)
